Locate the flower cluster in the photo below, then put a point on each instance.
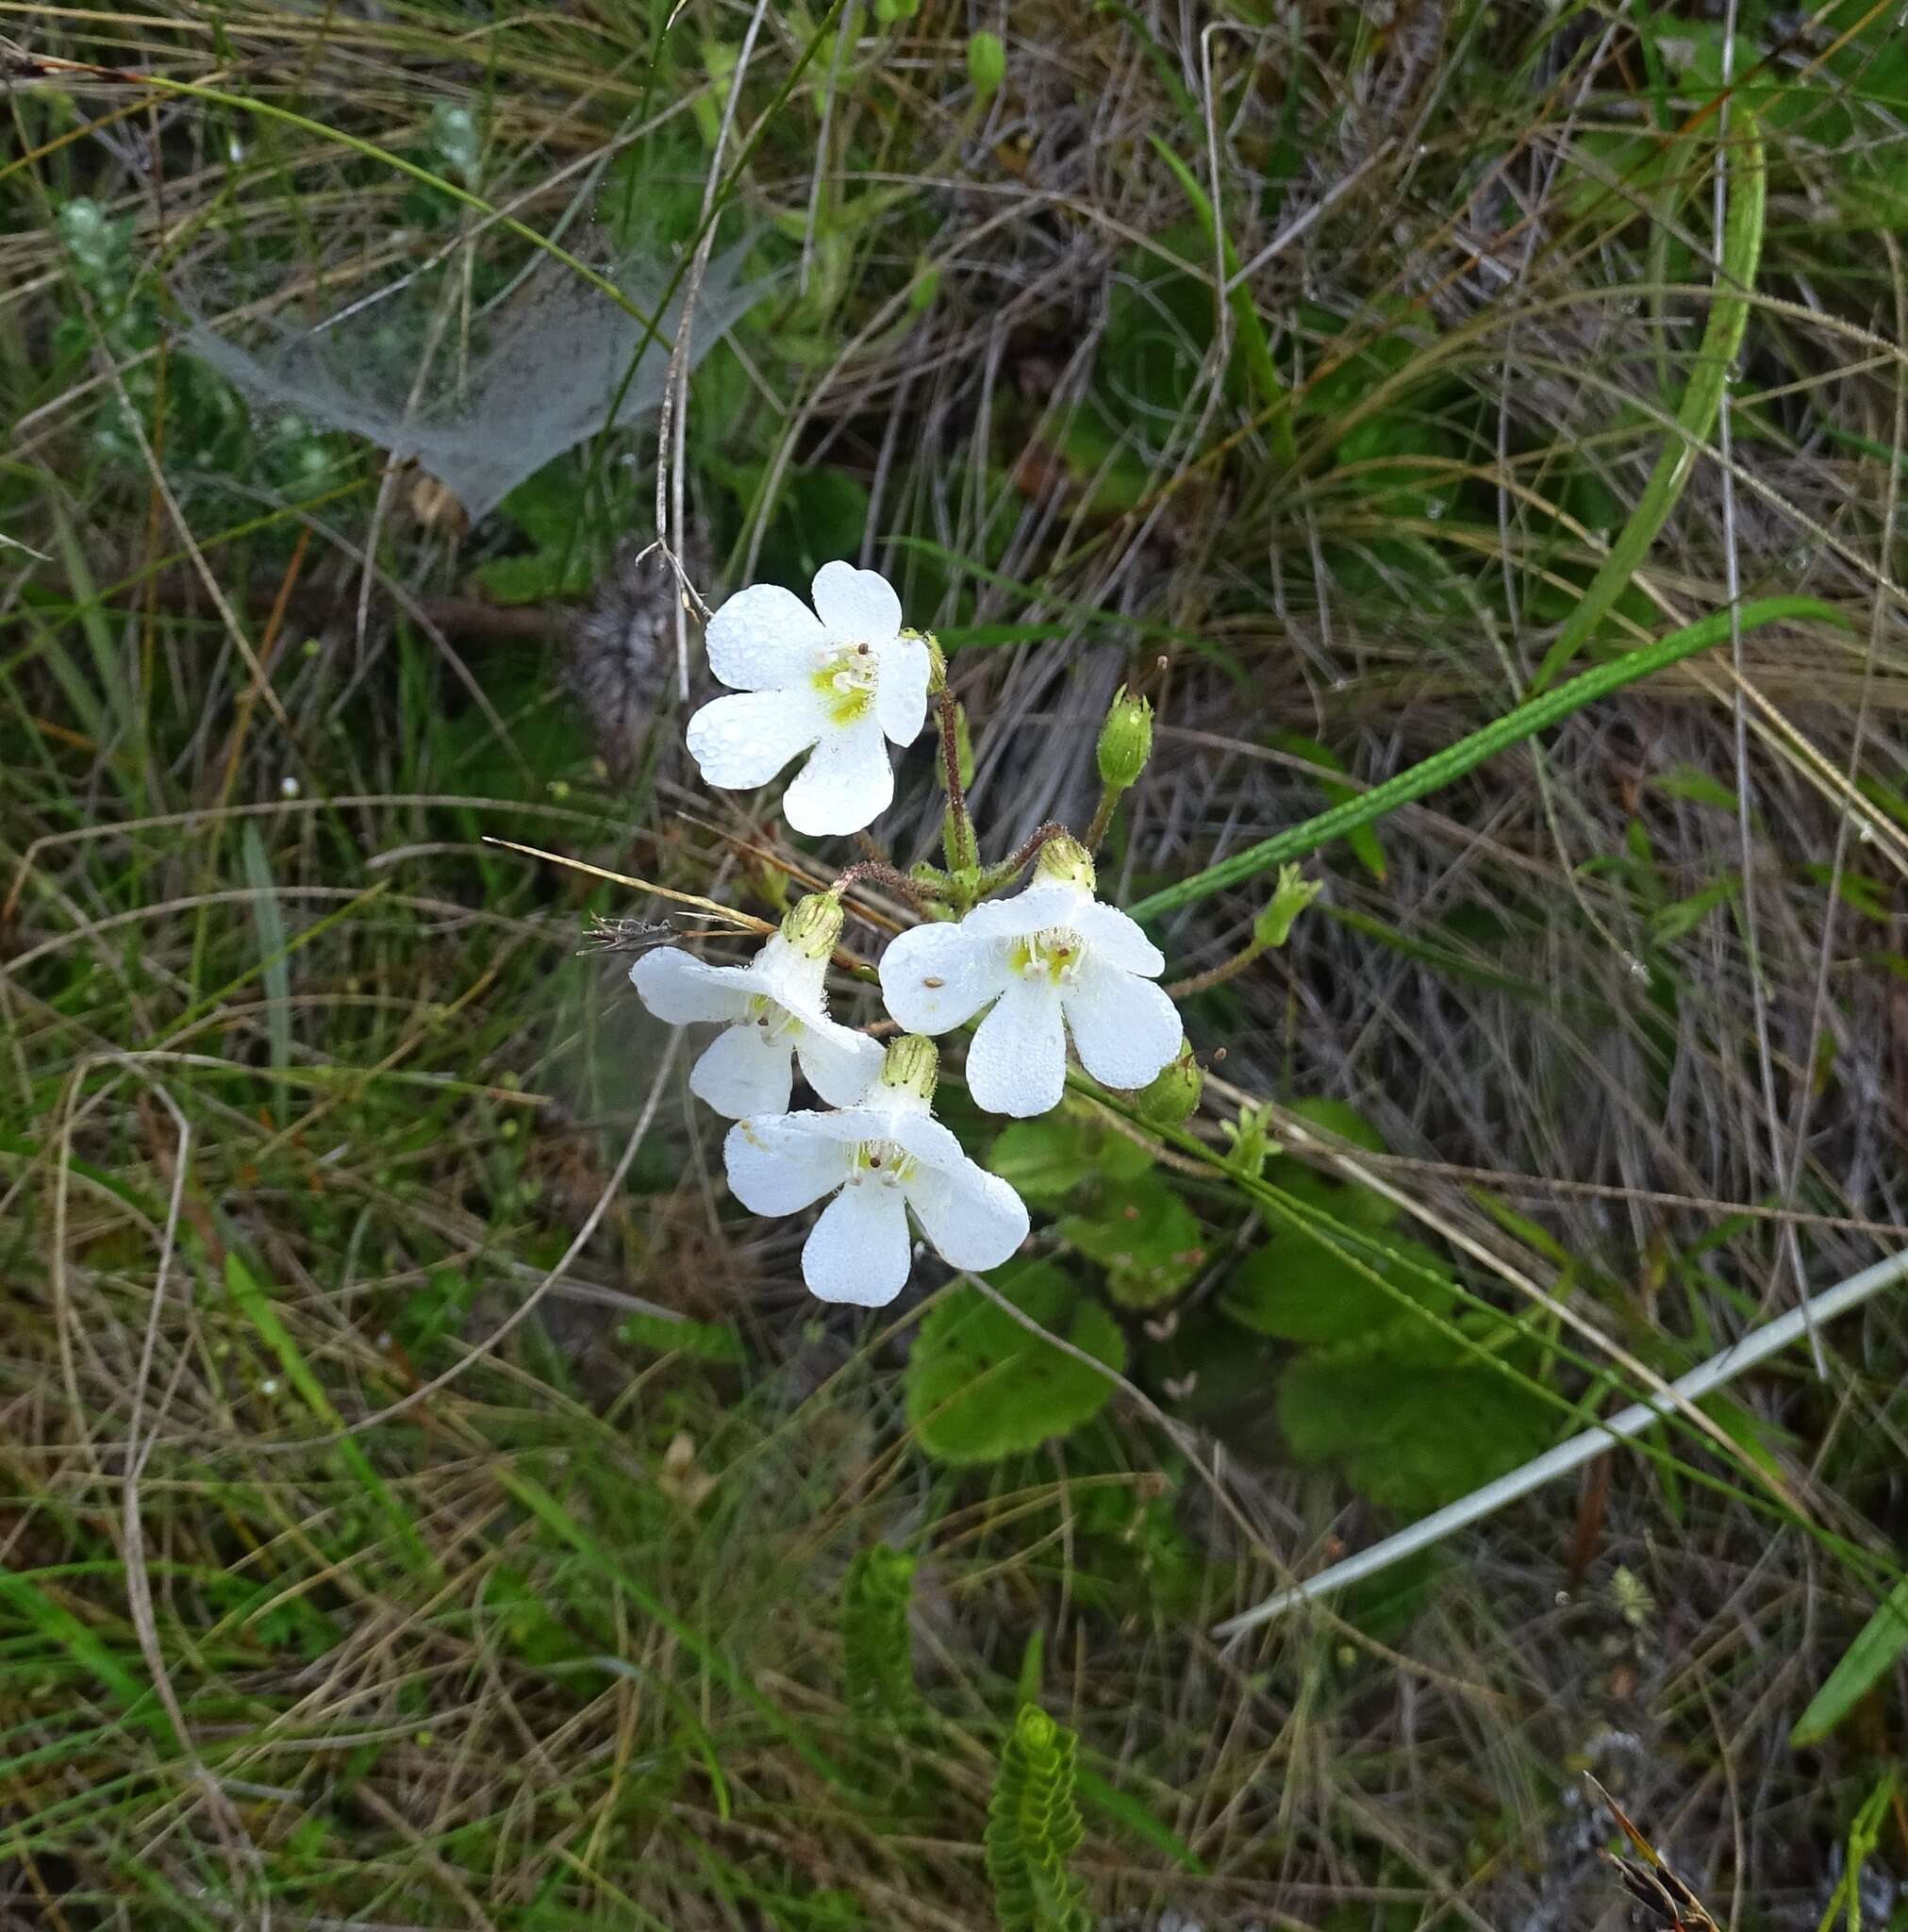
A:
(1044, 966)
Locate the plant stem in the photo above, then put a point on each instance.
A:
(916, 891)
(1218, 975)
(1525, 721)
(1103, 817)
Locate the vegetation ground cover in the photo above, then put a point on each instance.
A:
(428, 1501)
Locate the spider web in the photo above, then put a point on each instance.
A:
(545, 370)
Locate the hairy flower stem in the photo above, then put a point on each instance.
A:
(994, 877)
(916, 891)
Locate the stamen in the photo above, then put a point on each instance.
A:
(1054, 954)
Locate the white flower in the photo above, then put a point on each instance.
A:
(1050, 962)
(830, 684)
(777, 1009)
(878, 1160)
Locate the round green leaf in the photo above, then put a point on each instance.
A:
(1145, 1237)
(1299, 1289)
(1408, 1438)
(981, 1385)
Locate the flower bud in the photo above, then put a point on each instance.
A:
(986, 64)
(936, 660)
(813, 924)
(912, 1066)
(1273, 927)
(964, 751)
(1172, 1097)
(1125, 741)
(1065, 862)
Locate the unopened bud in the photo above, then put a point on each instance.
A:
(1172, 1097)
(937, 660)
(986, 64)
(912, 1066)
(813, 924)
(1065, 862)
(1125, 741)
(964, 751)
(1273, 927)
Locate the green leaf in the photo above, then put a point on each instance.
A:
(1871, 898)
(1697, 787)
(1145, 1237)
(1401, 465)
(1117, 1805)
(1341, 1118)
(1864, 1664)
(821, 514)
(1354, 354)
(1669, 923)
(1046, 1158)
(1299, 1289)
(1356, 1207)
(709, 1342)
(1409, 1437)
(981, 1385)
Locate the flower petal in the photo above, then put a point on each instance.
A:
(839, 1063)
(859, 606)
(936, 977)
(1118, 940)
(791, 978)
(848, 1126)
(859, 1250)
(744, 1072)
(677, 987)
(915, 1131)
(901, 697)
(776, 1165)
(1037, 907)
(764, 638)
(744, 740)
(973, 1219)
(845, 786)
(1017, 1063)
(1125, 1028)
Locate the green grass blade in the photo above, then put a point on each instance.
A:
(1864, 1664)
(1273, 395)
(1696, 417)
(53, 1622)
(249, 1297)
(268, 919)
(1525, 721)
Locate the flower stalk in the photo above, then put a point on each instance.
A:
(1271, 928)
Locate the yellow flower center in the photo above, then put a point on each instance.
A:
(844, 678)
(1053, 954)
(882, 1162)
